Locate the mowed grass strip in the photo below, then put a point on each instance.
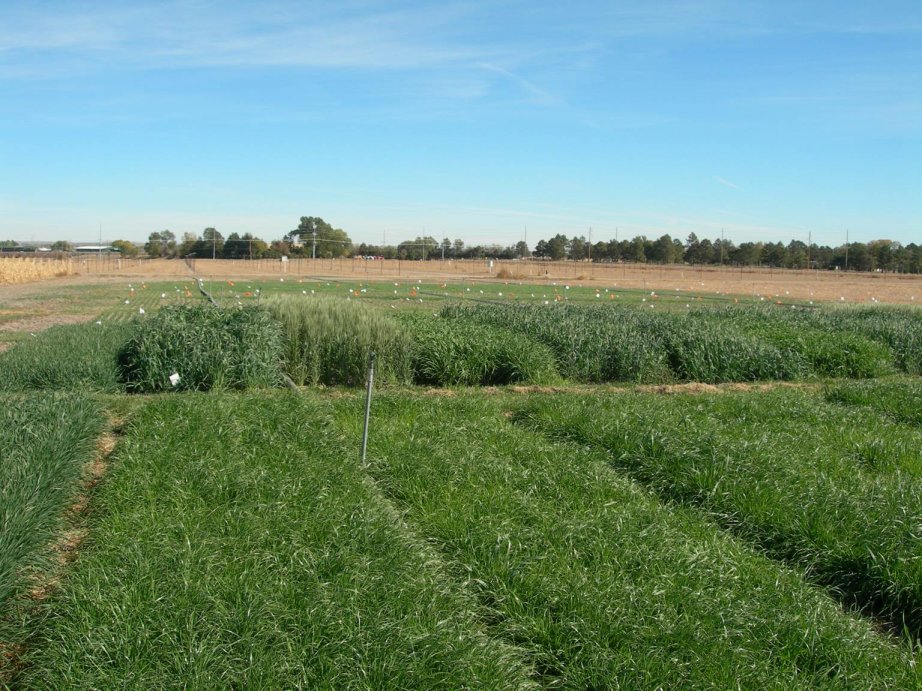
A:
(832, 490)
(45, 441)
(237, 544)
(66, 357)
(604, 585)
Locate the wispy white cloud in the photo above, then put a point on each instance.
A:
(539, 94)
(726, 183)
(180, 34)
(707, 19)
(373, 34)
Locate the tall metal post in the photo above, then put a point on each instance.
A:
(371, 378)
(846, 249)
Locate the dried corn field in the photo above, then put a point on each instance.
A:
(24, 270)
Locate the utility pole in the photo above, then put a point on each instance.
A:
(809, 244)
(314, 243)
(722, 246)
(214, 242)
(846, 249)
(590, 243)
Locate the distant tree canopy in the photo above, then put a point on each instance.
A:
(330, 242)
(211, 244)
(419, 248)
(247, 247)
(161, 244)
(125, 248)
(877, 255)
(555, 248)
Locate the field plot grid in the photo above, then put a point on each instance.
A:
(567, 486)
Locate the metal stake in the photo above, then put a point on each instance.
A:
(371, 378)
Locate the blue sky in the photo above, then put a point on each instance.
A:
(475, 120)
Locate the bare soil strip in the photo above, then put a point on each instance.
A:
(66, 546)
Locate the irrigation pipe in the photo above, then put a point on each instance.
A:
(201, 289)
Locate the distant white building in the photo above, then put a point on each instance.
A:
(94, 249)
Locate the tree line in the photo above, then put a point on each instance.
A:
(883, 255)
(314, 237)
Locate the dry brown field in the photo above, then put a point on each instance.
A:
(825, 286)
(782, 284)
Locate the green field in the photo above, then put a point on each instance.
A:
(581, 532)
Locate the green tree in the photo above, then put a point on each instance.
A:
(613, 250)
(699, 251)
(859, 257)
(914, 252)
(883, 253)
(187, 246)
(557, 247)
(210, 245)
(600, 251)
(125, 248)
(418, 248)
(63, 246)
(247, 247)
(257, 246)
(161, 244)
(723, 249)
(747, 254)
(663, 250)
(235, 247)
(774, 254)
(796, 255)
(692, 253)
(638, 249)
(330, 241)
(576, 249)
(821, 256)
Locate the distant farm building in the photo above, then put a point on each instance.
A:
(94, 249)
